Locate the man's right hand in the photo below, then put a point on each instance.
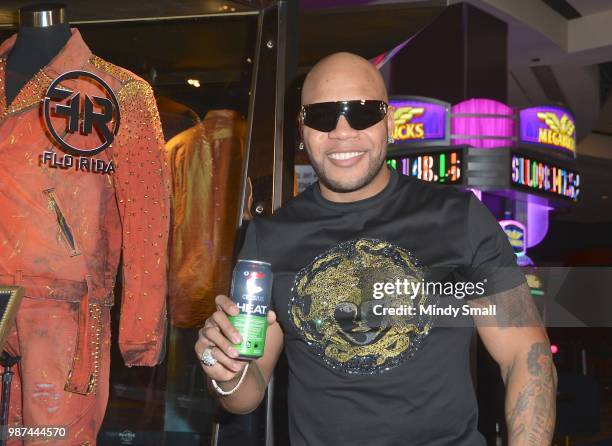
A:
(219, 335)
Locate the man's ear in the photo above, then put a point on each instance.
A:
(300, 123)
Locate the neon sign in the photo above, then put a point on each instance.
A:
(483, 123)
(517, 235)
(535, 284)
(439, 167)
(548, 126)
(419, 120)
(544, 177)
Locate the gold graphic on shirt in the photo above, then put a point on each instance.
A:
(332, 301)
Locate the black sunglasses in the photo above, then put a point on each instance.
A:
(360, 114)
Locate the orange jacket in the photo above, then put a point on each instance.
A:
(63, 230)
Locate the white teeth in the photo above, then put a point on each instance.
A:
(344, 155)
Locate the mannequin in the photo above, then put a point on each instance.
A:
(43, 32)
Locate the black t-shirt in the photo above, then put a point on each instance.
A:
(360, 379)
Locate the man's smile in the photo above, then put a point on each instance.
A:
(345, 159)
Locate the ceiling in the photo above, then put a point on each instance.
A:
(194, 44)
(588, 7)
(366, 30)
(563, 8)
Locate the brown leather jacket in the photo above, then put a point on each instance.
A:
(206, 162)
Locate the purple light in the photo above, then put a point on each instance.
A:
(548, 126)
(418, 120)
(517, 235)
(524, 260)
(483, 123)
(380, 60)
(537, 222)
(476, 192)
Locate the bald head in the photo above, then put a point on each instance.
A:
(343, 76)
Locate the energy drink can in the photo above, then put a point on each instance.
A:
(251, 291)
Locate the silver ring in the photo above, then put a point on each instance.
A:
(207, 357)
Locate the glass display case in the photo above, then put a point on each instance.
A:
(214, 66)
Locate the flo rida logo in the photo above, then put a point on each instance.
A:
(69, 112)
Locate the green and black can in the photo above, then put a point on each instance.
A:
(251, 291)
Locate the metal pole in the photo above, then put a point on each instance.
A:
(251, 130)
(279, 104)
(7, 377)
(250, 116)
(7, 361)
(284, 131)
(270, 414)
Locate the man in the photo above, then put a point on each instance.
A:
(356, 376)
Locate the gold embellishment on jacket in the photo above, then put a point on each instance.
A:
(113, 70)
(3, 110)
(95, 316)
(136, 98)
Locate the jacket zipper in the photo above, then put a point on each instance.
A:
(61, 222)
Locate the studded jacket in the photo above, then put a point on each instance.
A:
(67, 220)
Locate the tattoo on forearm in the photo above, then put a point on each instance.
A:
(514, 308)
(532, 419)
